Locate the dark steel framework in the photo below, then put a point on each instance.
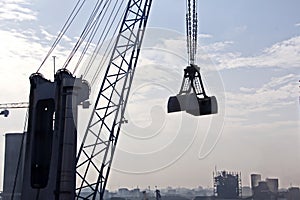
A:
(96, 152)
(227, 185)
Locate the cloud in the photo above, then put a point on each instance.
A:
(241, 29)
(284, 54)
(298, 24)
(205, 36)
(16, 10)
(278, 93)
(217, 46)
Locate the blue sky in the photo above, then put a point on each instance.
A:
(250, 53)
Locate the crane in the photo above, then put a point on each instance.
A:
(7, 106)
(102, 133)
(95, 156)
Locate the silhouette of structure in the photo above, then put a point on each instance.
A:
(11, 185)
(264, 190)
(227, 185)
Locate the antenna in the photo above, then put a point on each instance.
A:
(54, 57)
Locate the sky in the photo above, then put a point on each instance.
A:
(249, 55)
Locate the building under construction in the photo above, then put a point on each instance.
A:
(227, 185)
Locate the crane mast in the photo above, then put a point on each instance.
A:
(96, 152)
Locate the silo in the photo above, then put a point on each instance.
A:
(13, 143)
(255, 179)
(272, 184)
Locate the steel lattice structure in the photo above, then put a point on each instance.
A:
(99, 143)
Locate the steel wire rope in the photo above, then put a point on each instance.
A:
(20, 154)
(99, 46)
(90, 24)
(99, 40)
(63, 31)
(85, 31)
(189, 31)
(90, 38)
(195, 29)
(187, 34)
(108, 50)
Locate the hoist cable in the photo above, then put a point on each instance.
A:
(20, 155)
(195, 28)
(108, 50)
(65, 27)
(88, 27)
(187, 35)
(100, 45)
(191, 30)
(101, 39)
(86, 30)
(92, 32)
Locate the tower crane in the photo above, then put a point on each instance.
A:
(7, 106)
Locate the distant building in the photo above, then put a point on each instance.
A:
(227, 185)
(123, 192)
(136, 193)
(246, 191)
(13, 143)
(204, 198)
(293, 193)
(255, 179)
(264, 190)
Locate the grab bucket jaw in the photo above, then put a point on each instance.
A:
(177, 103)
(193, 105)
(201, 106)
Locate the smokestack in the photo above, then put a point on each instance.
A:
(255, 179)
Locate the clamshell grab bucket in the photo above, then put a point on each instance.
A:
(193, 105)
(201, 106)
(177, 103)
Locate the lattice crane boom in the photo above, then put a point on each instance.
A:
(7, 106)
(99, 143)
(14, 105)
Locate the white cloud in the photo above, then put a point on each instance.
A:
(284, 54)
(280, 92)
(16, 10)
(298, 24)
(47, 35)
(217, 46)
(241, 29)
(205, 36)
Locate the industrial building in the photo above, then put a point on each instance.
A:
(11, 183)
(268, 189)
(227, 185)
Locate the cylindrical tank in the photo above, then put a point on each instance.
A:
(12, 150)
(272, 184)
(255, 179)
